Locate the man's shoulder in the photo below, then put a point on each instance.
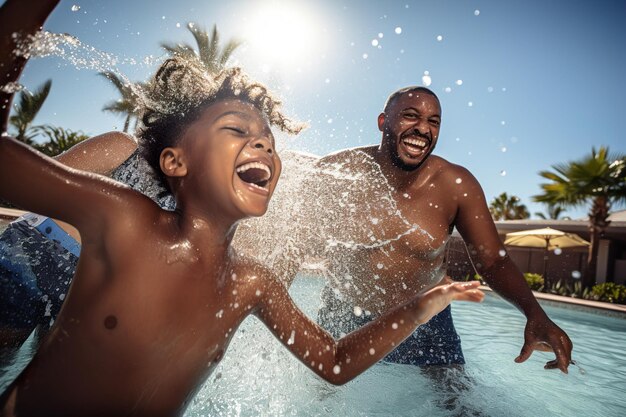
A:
(346, 154)
(443, 165)
(446, 172)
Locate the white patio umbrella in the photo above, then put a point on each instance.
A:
(547, 238)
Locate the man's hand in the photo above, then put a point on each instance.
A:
(542, 334)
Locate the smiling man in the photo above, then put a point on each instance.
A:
(434, 196)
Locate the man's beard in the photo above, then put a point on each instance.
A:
(394, 151)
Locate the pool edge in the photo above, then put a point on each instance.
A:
(595, 307)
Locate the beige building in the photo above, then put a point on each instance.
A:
(566, 266)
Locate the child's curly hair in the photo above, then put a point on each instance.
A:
(182, 89)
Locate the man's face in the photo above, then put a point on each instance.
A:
(232, 158)
(410, 128)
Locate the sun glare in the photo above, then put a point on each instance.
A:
(284, 36)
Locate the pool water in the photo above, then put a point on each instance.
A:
(258, 377)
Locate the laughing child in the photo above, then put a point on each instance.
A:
(158, 295)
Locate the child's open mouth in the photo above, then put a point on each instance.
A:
(256, 174)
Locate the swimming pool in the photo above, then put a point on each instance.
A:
(259, 378)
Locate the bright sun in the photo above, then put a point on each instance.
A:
(284, 35)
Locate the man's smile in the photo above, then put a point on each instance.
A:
(414, 145)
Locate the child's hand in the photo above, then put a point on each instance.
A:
(435, 300)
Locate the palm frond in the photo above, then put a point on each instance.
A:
(26, 109)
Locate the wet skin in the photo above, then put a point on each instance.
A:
(157, 295)
(436, 196)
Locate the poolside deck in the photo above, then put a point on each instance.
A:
(10, 214)
(590, 306)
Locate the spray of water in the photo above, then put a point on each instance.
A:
(325, 215)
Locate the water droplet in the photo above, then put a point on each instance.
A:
(364, 56)
(502, 173)
(374, 220)
(490, 89)
(558, 251)
(476, 12)
(292, 338)
(327, 80)
(374, 42)
(426, 80)
(379, 266)
(439, 38)
(394, 326)
(576, 274)
(358, 311)
(398, 30)
(372, 351)
(502, 253)
(470, 104)
(330, 120)
(177, 25)
(219, 314)
(380, 35)
(447, 89)
(336, 369)
(503, 122)
(459, 82)
(458, 180)
(503, 149)
(75, 8)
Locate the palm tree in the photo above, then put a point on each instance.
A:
(129, 105)
(25, 111)
(59, 139)
(209, 53)
(554, 212)
(504, 207)
(599, 179)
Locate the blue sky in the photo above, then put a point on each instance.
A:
(523, 84)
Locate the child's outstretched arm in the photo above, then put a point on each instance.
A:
(22, 18)
(340, 361)
(37, 183)
(31, 180)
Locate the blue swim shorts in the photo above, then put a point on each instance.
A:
(433, 343)
(37, 263)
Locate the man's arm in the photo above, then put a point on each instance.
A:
(340, 361)
(491, 261)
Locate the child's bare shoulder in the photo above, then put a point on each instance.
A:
(254, 278)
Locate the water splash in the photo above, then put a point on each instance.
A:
(77, 54)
